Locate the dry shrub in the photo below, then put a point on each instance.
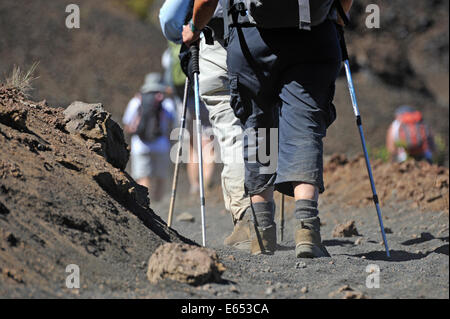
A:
(21, 80)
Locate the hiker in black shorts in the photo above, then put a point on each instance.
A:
(283, 61)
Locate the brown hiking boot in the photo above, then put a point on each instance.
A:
(308, 243)
(240, 237)
(244, 237)
(264, 239)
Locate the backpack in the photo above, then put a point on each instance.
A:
(412, 133)
(270, 14)
(149, 127)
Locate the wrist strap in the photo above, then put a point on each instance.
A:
(193, 27)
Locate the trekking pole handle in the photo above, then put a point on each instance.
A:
(195, 55)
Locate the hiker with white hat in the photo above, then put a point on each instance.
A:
(149, 118)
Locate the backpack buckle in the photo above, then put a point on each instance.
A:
(240, 8)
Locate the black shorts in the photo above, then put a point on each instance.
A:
(283, 79)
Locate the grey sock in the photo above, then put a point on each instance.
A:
(264, 213)
(306, 214)
(305, 209)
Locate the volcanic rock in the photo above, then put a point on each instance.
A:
(96, 128)
(346, 230)
(185, 263)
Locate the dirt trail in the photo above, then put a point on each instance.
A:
(418, 240)
(64, 200)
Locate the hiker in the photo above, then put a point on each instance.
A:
(214, 91)
(409, 137)
(149, 118)
(176, 78)
(283, 61)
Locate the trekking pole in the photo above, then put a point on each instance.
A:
(282, 217)
(196, 71)
(180, 148)
(361, 133)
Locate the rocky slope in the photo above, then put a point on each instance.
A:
(65, 199)
(105, 60)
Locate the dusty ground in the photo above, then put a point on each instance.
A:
(418, 241)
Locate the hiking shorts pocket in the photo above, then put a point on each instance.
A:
(236, 102)
(331, 115)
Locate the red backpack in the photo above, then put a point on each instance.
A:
(412, 133)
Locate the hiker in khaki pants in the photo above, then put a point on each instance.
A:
(215, 93)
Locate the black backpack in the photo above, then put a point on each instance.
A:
(269, 14)
(150, 112)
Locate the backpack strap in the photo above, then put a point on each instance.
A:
(341, 12)
(235, 13)
(304, 13)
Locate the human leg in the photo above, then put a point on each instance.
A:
(254, 101)
(306, 112)
(214, 90)
(159, 173)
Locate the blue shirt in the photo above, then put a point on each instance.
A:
(172, 18)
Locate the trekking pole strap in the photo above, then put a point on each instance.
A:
(341, 12)
(342, 42)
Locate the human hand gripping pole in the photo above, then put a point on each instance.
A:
(361, 133)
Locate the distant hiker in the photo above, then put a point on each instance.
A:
(149, 118)
(409, 137)
(175, 77)
(215, 93)
(283, 61)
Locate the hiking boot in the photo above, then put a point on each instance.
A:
(240, 237)
(263, 239)
(308, 243)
